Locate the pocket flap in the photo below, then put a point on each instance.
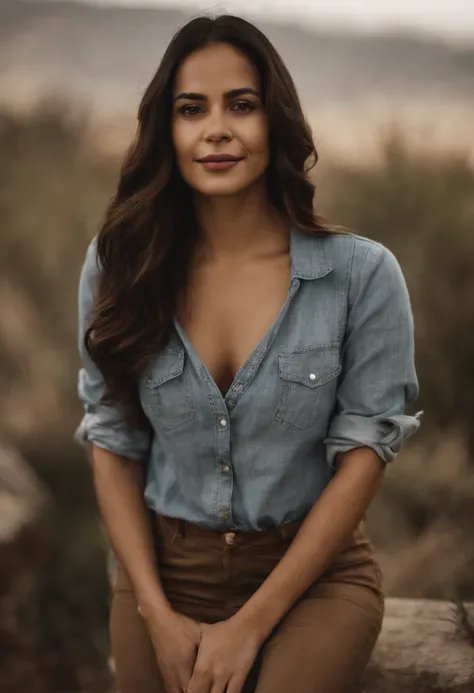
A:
(167, 366)
(312, 367)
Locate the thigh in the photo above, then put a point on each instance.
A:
(132, 650)
(324, 643)
(136, 668)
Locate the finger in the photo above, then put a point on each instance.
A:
(202, 627)
(185, 677)
(219, 686)
(172, 687)
(201, 682)
(236, 683)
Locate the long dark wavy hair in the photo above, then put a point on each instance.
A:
(149, 235)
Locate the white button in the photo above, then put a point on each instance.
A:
(230, 538)
(312, 376)
(225, 468)
(223, 423)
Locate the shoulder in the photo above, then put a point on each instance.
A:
(348, 257)
(356, 250)
(360, 259)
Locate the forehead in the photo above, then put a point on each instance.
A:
(216, 69)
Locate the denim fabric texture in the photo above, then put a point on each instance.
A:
(334, 372)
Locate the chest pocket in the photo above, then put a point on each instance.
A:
(165, 391)
(308, 385)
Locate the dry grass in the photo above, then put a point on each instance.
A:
(54, 185)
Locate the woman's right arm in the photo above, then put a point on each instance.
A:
(118, 459)
(119, 485)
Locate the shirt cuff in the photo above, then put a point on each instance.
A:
(133, 445)
(386, 435)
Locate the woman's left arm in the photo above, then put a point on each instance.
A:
(338, 511)
(367, 430)
(369, 427)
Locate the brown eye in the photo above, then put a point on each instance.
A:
(190, 110)
(243, 107)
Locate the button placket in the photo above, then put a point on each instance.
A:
(223, 506)
(224, 475)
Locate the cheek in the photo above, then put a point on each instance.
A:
(257, 140)
(183, 144)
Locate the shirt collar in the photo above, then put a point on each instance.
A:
(309, 257)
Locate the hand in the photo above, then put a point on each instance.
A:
(226, 655)
(175, 639)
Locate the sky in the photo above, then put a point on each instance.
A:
(449, 18)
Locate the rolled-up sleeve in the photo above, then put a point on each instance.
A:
(102, 424)
(378, 378)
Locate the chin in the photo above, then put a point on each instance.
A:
(220, 188)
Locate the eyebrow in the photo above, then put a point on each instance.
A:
(231, 94)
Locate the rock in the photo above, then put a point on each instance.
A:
(426, 646)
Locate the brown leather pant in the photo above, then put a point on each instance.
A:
(323, 643)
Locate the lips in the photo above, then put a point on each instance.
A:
(219, 162)
(219, 158)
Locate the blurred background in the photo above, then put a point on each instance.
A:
(389, 90)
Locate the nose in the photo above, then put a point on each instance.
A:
(217, 128)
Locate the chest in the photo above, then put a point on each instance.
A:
(229, 310)
(294, 339)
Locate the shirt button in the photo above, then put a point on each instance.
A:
(223, 423)
(229, 538)
(231, 404)
(312, 376)
(225, 514)
(225, 468)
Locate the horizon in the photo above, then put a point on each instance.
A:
(451, 20)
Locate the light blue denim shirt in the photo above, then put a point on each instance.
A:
(334, 372)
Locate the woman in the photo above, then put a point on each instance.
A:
(245, 374)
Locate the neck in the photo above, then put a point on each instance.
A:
(240, 226)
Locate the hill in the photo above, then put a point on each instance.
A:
(109, 53)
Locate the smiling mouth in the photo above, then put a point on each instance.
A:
(217, 158)
(219, 162)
